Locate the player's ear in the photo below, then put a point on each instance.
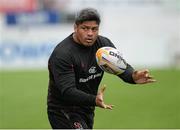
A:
(75, 27)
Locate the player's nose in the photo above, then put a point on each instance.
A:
(90, 32)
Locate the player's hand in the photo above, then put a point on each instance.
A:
(142, 77)
(99, 99)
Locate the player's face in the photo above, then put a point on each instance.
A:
(86, 33)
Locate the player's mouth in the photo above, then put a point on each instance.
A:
(89, 40)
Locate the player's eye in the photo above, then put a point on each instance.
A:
(95, 29)
(84, 28)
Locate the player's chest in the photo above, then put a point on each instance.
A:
(85, 63)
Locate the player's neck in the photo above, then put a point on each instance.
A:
(76, 39)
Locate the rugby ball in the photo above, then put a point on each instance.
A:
(110, 60)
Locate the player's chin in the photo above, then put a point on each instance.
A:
(89, 44)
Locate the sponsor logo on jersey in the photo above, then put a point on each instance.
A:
(83, 80)
(92, 70)
(77, 125)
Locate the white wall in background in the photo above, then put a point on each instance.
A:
(146, 35)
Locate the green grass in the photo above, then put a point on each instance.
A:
(23, 101)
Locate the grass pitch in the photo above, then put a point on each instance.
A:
(23, 97)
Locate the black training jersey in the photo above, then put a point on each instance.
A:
(74, 75)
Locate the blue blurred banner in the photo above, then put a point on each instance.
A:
(33, 18)
(24, 55)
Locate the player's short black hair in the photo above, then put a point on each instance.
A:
(87, 14)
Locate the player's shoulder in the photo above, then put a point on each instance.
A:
(100, 37)
(104, 41)
(63, 48)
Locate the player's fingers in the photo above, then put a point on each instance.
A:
(104, 85)
(102, 89)
(148, 81)
(109, 107)
(146, 71)
(146, 75)
(150, 77)
(142, 73)
(151, 80)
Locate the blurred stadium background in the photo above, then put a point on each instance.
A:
(146, 31)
